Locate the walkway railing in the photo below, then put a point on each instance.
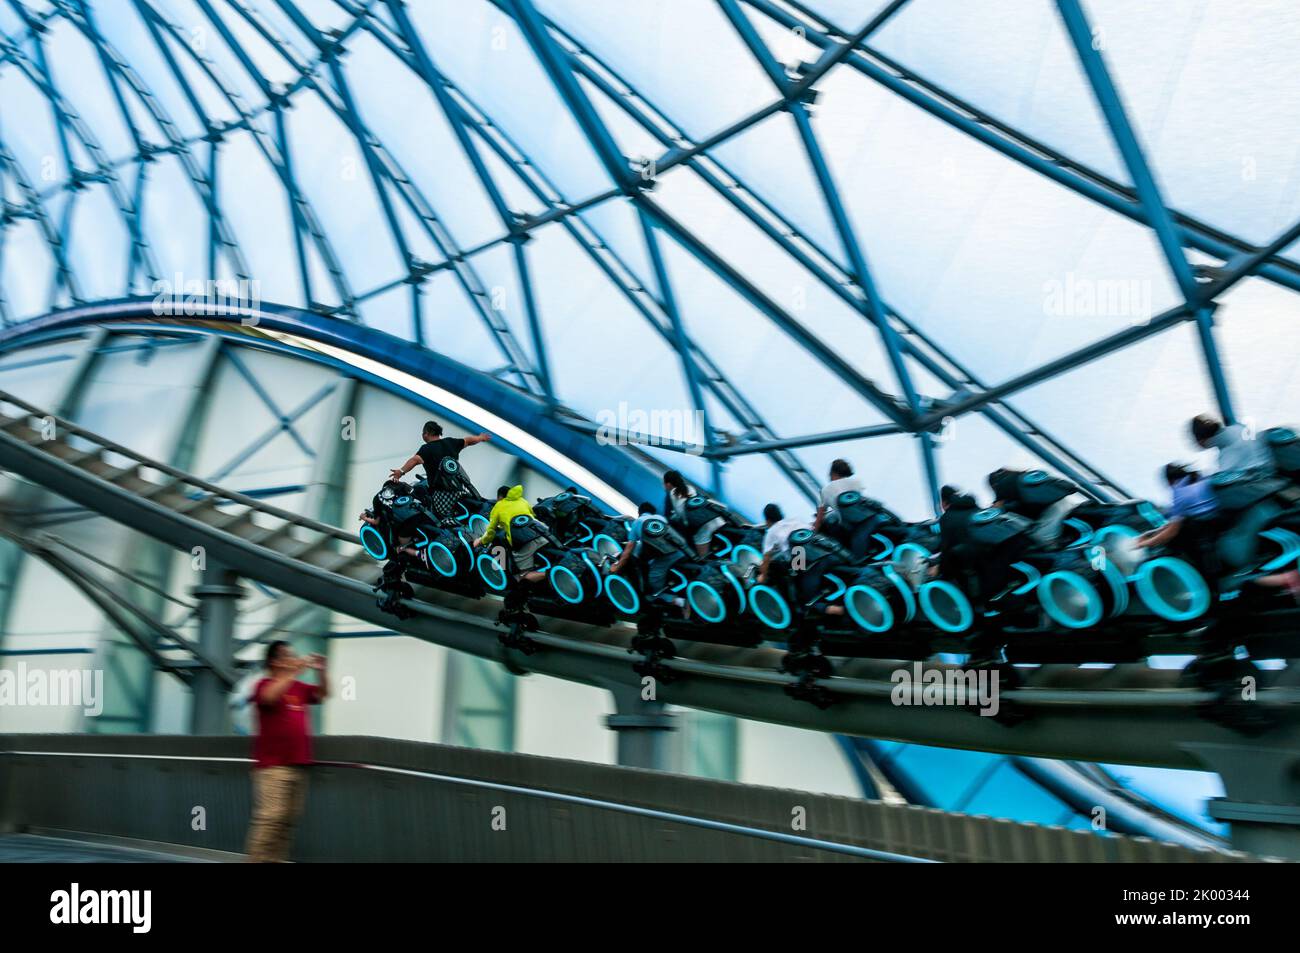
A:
(377, 799)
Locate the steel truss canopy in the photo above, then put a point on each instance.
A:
(934, 236)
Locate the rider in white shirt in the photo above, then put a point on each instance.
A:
(1237, 449)
(842, 480)
(777, 538)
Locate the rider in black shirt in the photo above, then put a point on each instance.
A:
(958, 508)
(435, 449)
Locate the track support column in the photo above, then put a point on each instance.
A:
(217, 594)
(644, 730)
(1262, 802)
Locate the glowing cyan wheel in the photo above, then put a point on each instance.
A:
(441, 559)
(1069, 600)
(770, 607)
(1172, 589)
(946, 606)
(869, 609)
(705, 602)
(492, 572)
(373, 543)
(623, 595)
(566, 584)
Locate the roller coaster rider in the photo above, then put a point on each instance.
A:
(842, 480)
(1191, 517)
(653, 548)
(694, 516)
(392, 522)
(632, 548)
(446, 483)
(397, 515)
(861, 524)
(977, 547)
(808, 559)
(1236, 449)
(1195, 525)
(510, 513)
(994, 580)
(776, 538)
(956, 508)
(1042, 499)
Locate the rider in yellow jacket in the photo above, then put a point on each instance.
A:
(510, 503)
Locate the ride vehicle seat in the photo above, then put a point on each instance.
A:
(1037, 496)
(983, 549)
(1249, 502)
(662, 549)
(1284, 445)
(857, 520)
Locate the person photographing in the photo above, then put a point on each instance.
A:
(281, 749)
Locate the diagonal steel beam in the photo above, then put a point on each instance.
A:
(797, 91)
(969, 119)
(119, 71)
(829, 358)
(70, 125)
(34, 208)
(424, 67)
(1247, 264)
(825, 269)
(557, 68)
(690, 370)
(859, 272)
(146, 567)
(389, 173)
(820, 264)
(874, 308)
(807, 440)
(833, 54)
(1228, 277)
(283, 424)
(139, 628)
(156, 23)
(69, 394)
(569, 215)
(1162, 223)
(757, 48)
(805, 250)
(533, 314)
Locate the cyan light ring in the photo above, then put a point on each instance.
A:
(1068, 577)
(372, 541)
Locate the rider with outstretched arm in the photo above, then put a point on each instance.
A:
(435, 448)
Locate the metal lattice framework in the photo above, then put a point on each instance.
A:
(201, 41)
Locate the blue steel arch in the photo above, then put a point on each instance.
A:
(620, 466)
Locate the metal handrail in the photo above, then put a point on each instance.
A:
(178, 475)
(815, 843)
